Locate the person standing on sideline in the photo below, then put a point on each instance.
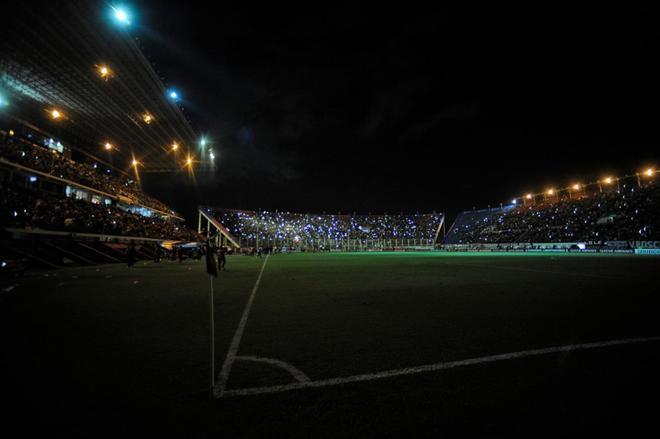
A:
(131, 253)
(157, 253)
(222, 260)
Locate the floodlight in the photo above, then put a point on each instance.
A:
(121, 15)
(173, 94)
(135, 163)
(104, 72)
(55, 114)
(608, 180)
(528, 196)
(107, 146)
(576, 187)
(649, 172)
(175, 146)
(551, 191)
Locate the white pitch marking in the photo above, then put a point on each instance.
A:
(435, 367)
(294, 371)
(236, 341)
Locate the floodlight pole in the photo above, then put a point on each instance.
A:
(211, 325)
(211, 340)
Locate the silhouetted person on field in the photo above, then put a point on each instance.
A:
(157, 253)
(222, 259)
(131, 254)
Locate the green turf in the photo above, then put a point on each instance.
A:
(116, 350)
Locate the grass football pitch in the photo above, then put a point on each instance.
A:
(354, 344)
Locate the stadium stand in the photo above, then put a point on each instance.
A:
(55, 211)
(66, 93)
(31, 154)
(327, 232)
(29, 208)
(627, 213)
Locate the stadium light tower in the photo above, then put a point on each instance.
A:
(648, 173)
(574, 188)
(608, 181)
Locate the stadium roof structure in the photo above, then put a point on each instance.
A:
(52, 57)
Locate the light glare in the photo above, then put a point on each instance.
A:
(104, 72)
(121, 15)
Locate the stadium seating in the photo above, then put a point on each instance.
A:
(626, 214)
(55, 205)
(30, 155)
(25, 207)
(321, 231)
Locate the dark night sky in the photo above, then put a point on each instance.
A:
(375, 108)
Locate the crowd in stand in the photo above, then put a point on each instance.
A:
(30, 208)
(629, 213)
(310, 228)
(51, 162)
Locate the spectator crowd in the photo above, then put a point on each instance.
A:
(30, 208)
(51, 162)
(630, 213)
(310, 229)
